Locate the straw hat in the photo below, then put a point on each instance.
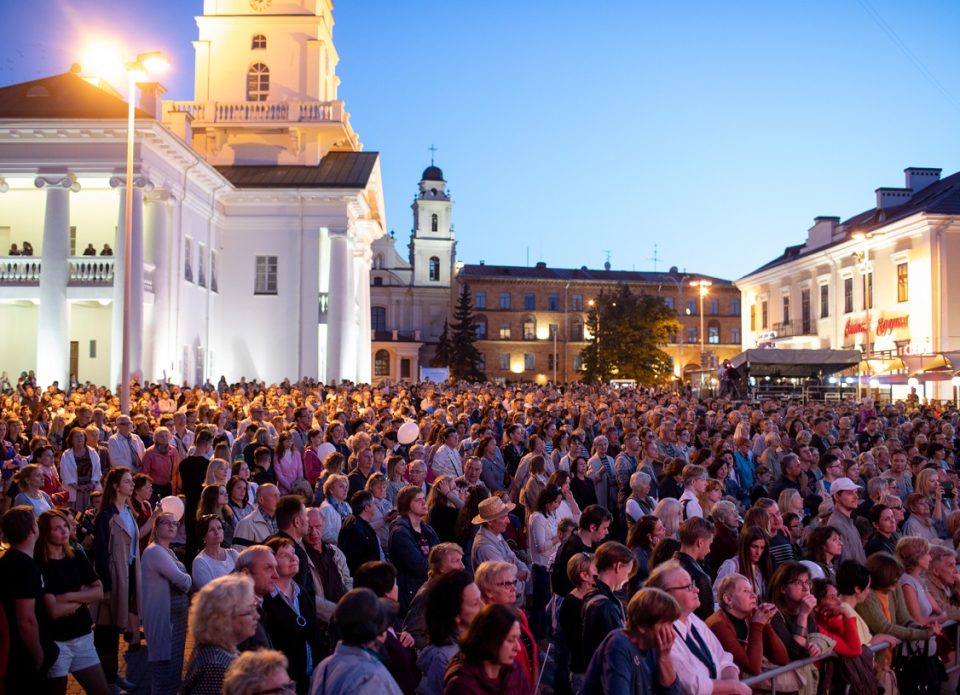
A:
(492, 508)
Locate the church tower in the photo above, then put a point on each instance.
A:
(265, 88)
(432, 243)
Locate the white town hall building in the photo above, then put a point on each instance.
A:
(255, 211)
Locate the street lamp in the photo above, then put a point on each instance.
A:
(679, 284)
(137, 71)
(704, 286)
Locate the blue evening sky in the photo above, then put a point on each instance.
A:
(566, 129)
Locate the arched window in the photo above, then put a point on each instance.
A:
(378, 282)
(480, 328)
(576, 329)
(529, 328)
(259, 41)
(258, 82)
(378, 318)
(381, 363)
(434, 269)
(434, 223)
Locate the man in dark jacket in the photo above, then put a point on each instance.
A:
(358, 540)
(696, 537)
(602, 611)
(292, 525)
(411, 539)
(594, 526)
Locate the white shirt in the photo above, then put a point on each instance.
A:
(693, 673)
(543, 538)
(119, 450)
(692, 505)
(446, 461)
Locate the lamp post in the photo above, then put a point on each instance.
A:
(704, 286)
(679, 284)
(137, 70)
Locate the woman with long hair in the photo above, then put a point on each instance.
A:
(487, 661)
(70, 584)
(80, 470)
(568, 508)
(44, 456)
(668, 510)
(164, 606)
(752, 561)
(312, 465)
(214, 500)
(396, 472)
(584, 491)
(241, 469)
(218, 472)
(789, 591)
(441, 511)
(30, 481)
(712, 493)
(332, 465)
(116, 553)
(237, 498)
(544, 541)
(140, 502)
(287, 463)
(824, 548)
(643, 538)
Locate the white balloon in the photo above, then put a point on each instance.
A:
(408, 432)
(325, 450)
(173, 505)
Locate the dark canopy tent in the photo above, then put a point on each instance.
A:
(795, 363)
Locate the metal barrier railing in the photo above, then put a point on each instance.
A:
(800, 663)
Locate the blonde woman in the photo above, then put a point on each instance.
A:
(261, 671)
(334, 508)
(223, 614)
(218, 472)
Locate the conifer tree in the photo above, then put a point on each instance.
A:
(465, 360)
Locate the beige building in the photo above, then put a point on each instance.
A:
(531, 321)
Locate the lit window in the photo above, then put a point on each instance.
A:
(381, 363)
(903, 282)
(258, 82)
(868, 290)
(266, 275)
(504, 331)
(713, 333)
(529, 328)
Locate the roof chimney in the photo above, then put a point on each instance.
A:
(918, 178)
(892, 197)
(821, 233)
(150, 93)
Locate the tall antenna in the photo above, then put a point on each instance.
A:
(432, 151)
(656, 259)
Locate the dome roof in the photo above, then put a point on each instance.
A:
(432, 173)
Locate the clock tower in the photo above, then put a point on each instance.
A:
(265, 87)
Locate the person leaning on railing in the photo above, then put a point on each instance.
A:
(790, 592)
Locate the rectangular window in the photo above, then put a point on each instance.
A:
(554, 331)
(576, 302)
(504, 331)
(805, 311)
(713, 307)
(505, 361)
(266, 275)
(214, 286)
(553, 302)
(188, 259)
(786, 308)
(480, 329)
(73, 240)
(691, 307)
(202, 265)
(504, 300)
(903, 282)
(824, 301)
(735, 307)
(577, 363)
(480, 300)
(868, 290)
(529, 330)
(764, 315)
(847, 295)
(691, 335)
(713, 334)
(735, 335)
(668, 301)
(529, 361)
(93, 349)
(550, 361)
(753, 318)
(378, 319)
(529, 301)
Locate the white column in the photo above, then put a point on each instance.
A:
(156, 208)
(53, 315)
(309, 353)
(340, 306)
(362, 261)
(136, 280)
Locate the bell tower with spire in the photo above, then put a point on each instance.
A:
(432, 242)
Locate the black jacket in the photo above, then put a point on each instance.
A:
(292, 638)
(359, 542)
(702, 580)
(602, 613)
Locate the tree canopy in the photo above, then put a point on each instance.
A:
(459, 351)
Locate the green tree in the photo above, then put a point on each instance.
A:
(465, 360)
(441, 358)
(627, 332)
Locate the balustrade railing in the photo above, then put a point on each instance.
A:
(82, 271)
(19, 270)
(91, 270)
(260, 111)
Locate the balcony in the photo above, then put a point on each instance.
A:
(84, 271)
(790, 329)
(280, 113)
(395, 336)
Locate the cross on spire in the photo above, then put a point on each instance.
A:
(432, 150)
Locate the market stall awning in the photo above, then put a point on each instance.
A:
(882, 365)
(795, 363)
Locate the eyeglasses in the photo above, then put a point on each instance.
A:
(804, 583)
(512, 582)
(288, 687)
(686, 587)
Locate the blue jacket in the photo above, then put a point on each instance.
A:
(406, 556)
(352, 670)
(618, 667)
(746, 469)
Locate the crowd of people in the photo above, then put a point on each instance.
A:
(466, 538)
